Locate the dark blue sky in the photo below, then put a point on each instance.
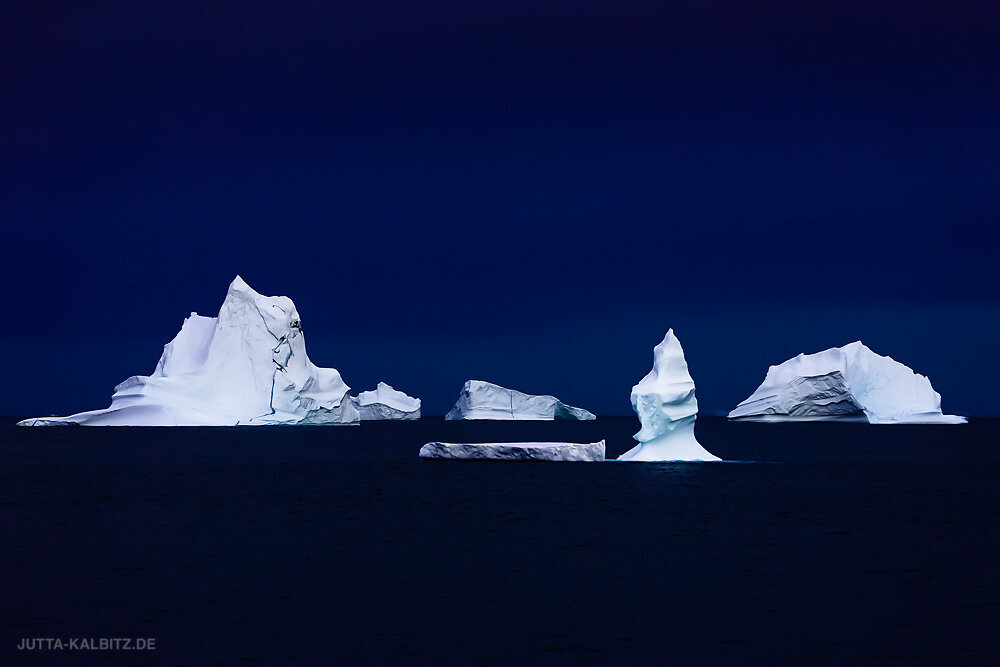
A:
(529, 193)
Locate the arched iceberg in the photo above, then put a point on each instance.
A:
(845, 383)
(667, 408)
(246, 366)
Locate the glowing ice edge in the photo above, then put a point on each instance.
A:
(248, 366)
(849, 383)
(667, 408)
(485, 400)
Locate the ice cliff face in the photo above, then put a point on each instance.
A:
(485, 400)
(246, 366)
(849, 382)
(387, 403)
(667, 408)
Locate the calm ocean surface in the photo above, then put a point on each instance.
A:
(337, 545)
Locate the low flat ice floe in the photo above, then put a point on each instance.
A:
(515, 451)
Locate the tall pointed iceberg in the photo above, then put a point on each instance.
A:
(246, 366)
(667, 409)
(845, 383)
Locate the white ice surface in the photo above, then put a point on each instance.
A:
(845, 383)
(246, 366)
(667, 408)
(384, 402)
(485, 400)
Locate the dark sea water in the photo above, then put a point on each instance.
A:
(839, 543)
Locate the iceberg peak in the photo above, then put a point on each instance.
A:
(248, 365)
(667, 408)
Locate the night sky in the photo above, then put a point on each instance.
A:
(524, 192)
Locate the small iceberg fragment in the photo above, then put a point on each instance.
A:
(246, 366)
(515, 451)
(387, 403)
(667, 408)
(485, 400)
(849, 383)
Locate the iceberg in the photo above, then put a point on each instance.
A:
(850, 383)
(667, 408)
(485, 400)
(246, 366)
(384, 402)
(515, 451)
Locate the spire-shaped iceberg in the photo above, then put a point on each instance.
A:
(667, 409)
(246, 366)
(848, 383)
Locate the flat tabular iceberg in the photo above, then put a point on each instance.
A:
(387, 403)
(849, 382)
(667, 409)
(515, 451)
(485, 400)
(246, 366)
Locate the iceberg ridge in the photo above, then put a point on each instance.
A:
(485, 400)
(384, 402)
